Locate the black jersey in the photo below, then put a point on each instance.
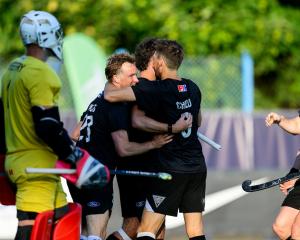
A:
(99, 120)
(144, 162)
(165, 101)
(141, 162)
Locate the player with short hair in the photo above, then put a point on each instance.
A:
(104, 134)
(165, 101)
(287, 222)
(34, 134)
(133, 190)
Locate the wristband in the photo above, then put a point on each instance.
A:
(278, 121)
(169, 128)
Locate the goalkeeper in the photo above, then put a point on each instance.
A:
(34, 134)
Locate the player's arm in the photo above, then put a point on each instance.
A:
(50, 129)
(75, 134)
(142, 122)
(285, 187)
(291, 125)
(113, 94)
(126, 148)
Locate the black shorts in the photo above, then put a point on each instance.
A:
(132, 195)
(293, 198)
(185, 192)
(93, 201)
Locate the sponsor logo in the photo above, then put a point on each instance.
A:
(182, 88)
(93, 204)
(140, 204)
(10, 172)
(158, 200)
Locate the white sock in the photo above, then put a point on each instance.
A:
(124, 234)
(93, 237)
(82, 237)
(146, 234)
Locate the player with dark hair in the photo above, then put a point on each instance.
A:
(34, 134)
(165, 101)
(287, 222)
(104, 135)
(133, 190)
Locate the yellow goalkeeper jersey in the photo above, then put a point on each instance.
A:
(28, 82)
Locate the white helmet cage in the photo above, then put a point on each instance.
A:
(43, 29)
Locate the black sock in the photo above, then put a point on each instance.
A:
(202, 237)
(24, 233)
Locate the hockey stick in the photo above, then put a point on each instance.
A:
(209, 141)
(247, 188)
(160, 175)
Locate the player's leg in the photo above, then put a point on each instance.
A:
(127, 231)
(37, 196)
(163, 199)
(284, 222)
(96, 225)
(25, 224)
(161, 232)
(98, 206)
(194, 225)
(192, 205)
(296, 228)
(78, 197)
(150, 224)
(288, 213)
(132, 199)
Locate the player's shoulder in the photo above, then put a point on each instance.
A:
(190, 82)
(37, 70)
(191, 85)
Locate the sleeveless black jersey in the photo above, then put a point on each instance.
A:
(98, 122)
(165, 101)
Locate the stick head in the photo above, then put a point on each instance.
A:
(246, 185)
(164, 176)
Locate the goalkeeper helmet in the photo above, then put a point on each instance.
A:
(43, 29)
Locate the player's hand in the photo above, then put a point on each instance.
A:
(272, 118)
(161, 139)
(183, 123)
(75, 156)
(284, 187)
(90, 172)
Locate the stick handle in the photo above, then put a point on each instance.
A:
(160, 175)
(209, 141)
(51, 170)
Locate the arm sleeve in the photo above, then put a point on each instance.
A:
(119, 117)
(147, 94)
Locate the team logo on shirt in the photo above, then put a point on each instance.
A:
(158, 200)
(182, 88)
(93, 204)
(140, 204)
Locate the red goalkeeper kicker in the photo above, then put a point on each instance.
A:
(8, 191)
